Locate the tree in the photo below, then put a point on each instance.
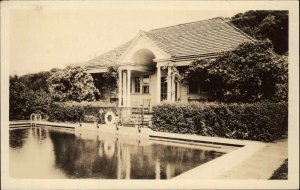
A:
(251, 73)
(36, 81)
(42, 102)
(261, 24)
(72, 84)
(20, 99)
(23, 101)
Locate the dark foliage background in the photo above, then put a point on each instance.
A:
(265, 24)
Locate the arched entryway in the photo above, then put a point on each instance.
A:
(136, 78)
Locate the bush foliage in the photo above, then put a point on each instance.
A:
(251, 73)
(258, 121)
(72, 84)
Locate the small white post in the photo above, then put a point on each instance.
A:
(119, 167)
(157, 169)
(128, 165)
(168, 171)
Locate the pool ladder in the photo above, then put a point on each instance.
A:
(34, 118)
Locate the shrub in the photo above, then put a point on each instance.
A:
(64, 113)
(77, 111)
(258, 121)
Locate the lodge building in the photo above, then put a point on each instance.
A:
(146, 63)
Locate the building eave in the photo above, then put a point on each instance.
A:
(189, 57)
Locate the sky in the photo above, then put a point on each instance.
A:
(42, 39)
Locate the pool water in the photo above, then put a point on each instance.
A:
(48, 153)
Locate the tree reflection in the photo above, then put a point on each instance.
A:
(17, 137)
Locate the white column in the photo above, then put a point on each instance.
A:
(158, 83)
(120, 88)
(124, 88)
(173, 88)
(169, 81)
(128, 87)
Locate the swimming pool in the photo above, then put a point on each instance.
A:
(44, 152)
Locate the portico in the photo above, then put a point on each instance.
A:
(142, 84)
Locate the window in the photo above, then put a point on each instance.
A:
(197, 87)
(163, 89)
(137, 86)
(146, 81)
(204, 87)
(193, 87)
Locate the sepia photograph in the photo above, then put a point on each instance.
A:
(155, 95)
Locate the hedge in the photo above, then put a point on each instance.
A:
(60, 112)
(75, 111)
(259, 121)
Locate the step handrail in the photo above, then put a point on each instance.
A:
(34, 118)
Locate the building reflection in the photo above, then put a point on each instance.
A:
(115, 157)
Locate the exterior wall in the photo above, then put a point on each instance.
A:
(108, 95)
(137, 99)
(185, 96)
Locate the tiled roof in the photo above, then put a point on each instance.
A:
(109, 58)
(197, 38)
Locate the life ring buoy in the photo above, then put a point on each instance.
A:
(109, 149)
(110, 118)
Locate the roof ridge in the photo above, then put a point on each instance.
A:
(187, 23)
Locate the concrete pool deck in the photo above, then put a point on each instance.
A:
(262, 164)
(253, 160)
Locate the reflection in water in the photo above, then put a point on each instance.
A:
(102, 156)
(17, 138)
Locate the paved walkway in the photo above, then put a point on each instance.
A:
(262, 164)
